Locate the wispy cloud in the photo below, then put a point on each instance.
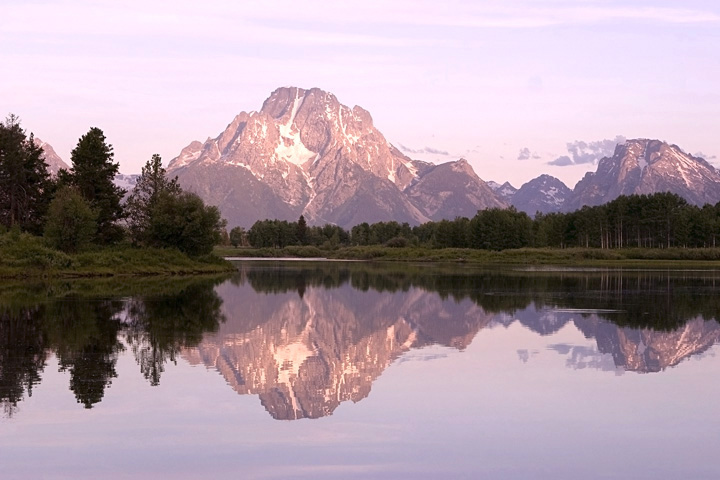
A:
(315, 21)
(705, 156)
(583, 153)
(430, 150)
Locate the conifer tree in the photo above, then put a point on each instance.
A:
(92, 174)
(25, 185)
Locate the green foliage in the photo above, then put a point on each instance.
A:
(152, 183)
(25, 184)
(71, 224)
(237, 236)
(397, 242)
(183, 221)
(301, 231)
(24, 252)
(92, 174)
(497, 229)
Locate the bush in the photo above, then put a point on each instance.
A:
(71, 223)
(397, 242)
(183, 221)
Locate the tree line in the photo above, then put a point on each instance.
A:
(82, 207)
(660, 220)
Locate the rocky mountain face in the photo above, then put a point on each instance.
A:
(645, 166)
(504, 191)
(126, 182)
(305, 153)
(53, 160)
(544, 194)
(451, 190)
(639, 166)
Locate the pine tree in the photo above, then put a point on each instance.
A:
(301, 231)
(152, 183)
(92, 174)
(25, 185)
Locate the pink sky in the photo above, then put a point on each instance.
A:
(491, 81)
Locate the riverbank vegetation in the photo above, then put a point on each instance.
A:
(657, 221)
(635, 228)
(77, 224)
(519, 257)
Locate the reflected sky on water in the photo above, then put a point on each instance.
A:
(362, 371)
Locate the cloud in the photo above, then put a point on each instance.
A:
(705, 156)
(526, 154)
(562, 161)
(430, 150)
(587, 153)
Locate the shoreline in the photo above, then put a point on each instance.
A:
(527, 257)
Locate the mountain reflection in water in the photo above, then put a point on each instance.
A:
(306, 337)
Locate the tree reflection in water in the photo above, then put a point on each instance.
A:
(84, 331)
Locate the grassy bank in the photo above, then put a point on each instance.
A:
(523, 256)
(25, 256)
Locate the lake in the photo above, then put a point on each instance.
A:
(359, 370)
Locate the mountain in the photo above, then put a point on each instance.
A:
(452, 190)
(55, 163)
(305, 153)
(545, 194)
(645, 166)
(504, 191)
(53, 160)
(126, 182)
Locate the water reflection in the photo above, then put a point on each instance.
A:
(305, 338)
(84, 330)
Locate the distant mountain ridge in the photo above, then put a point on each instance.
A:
(544, 194)
(305, 153)
(53, 160)
(644, 166)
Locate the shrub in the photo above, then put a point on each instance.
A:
(71, 223)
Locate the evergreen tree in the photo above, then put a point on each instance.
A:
(25, 185)
(92, 174)
(301, 231)
(152, 182)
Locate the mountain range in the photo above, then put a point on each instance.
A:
(305, 153)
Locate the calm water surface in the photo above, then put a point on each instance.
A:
(333, 370)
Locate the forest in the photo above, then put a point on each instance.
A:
(660, 220)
